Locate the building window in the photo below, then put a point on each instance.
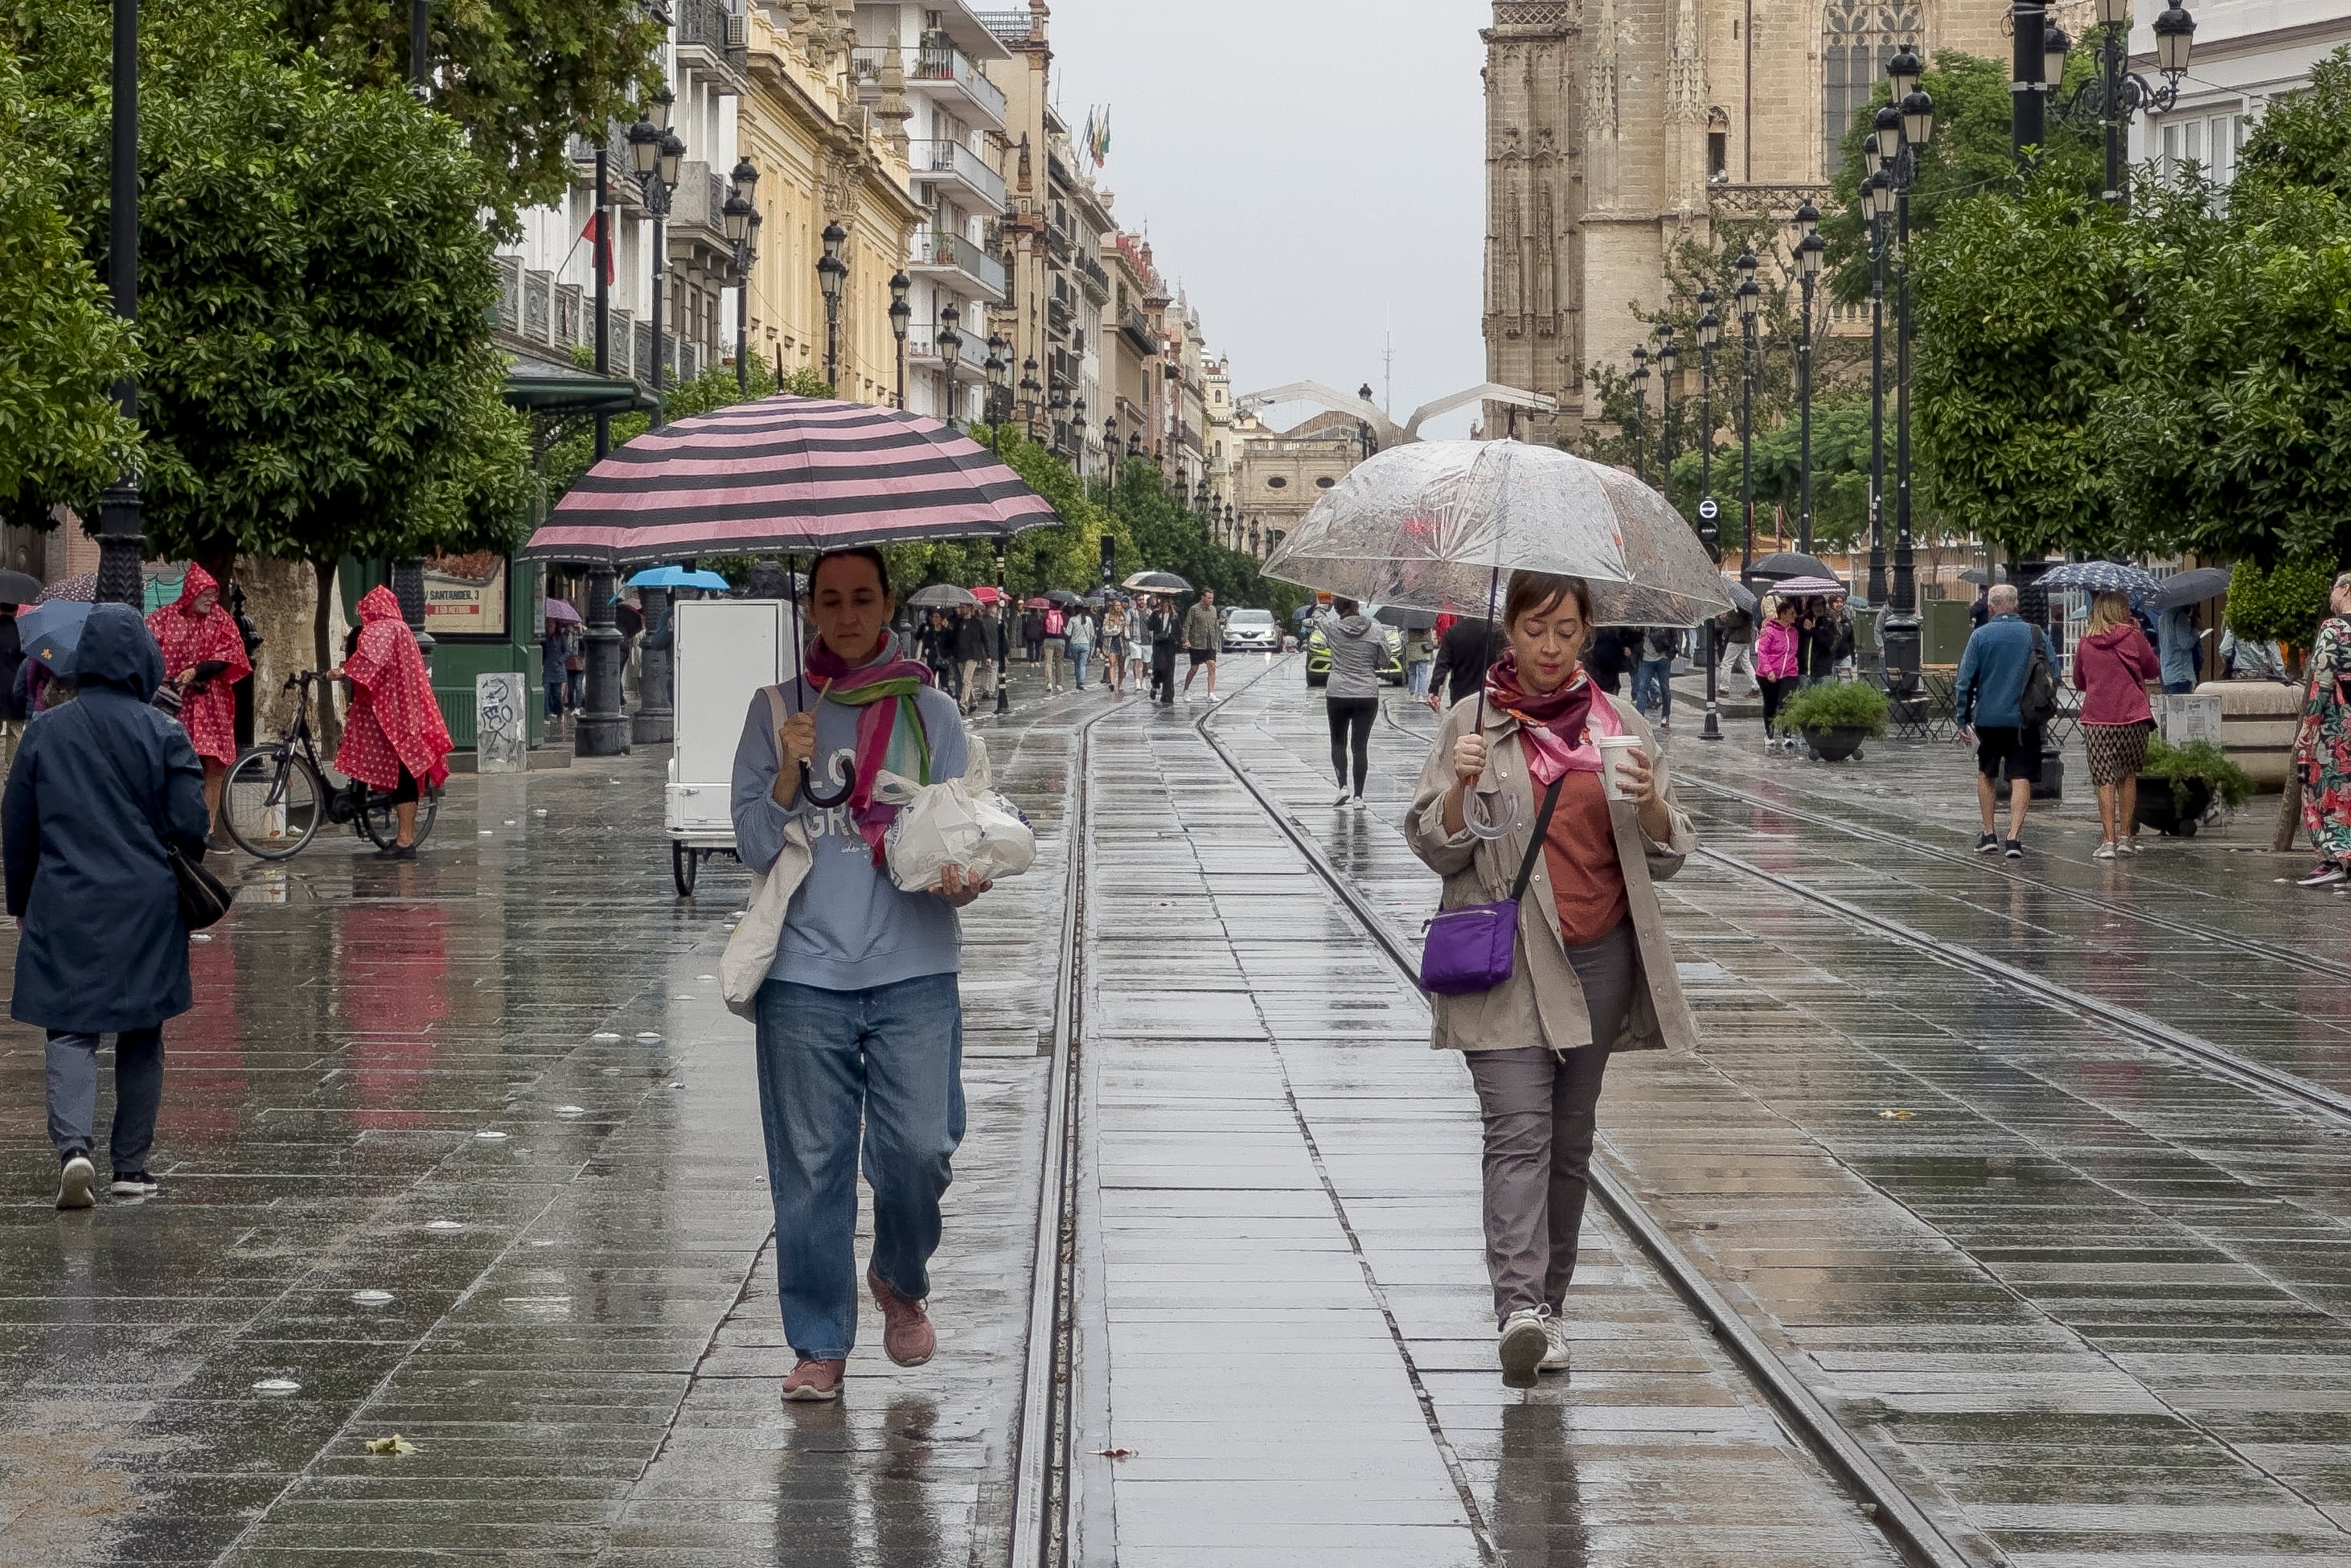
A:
(2210, 141)
(1718, 154)
(1324, 482)
(1277, 482)
(1859, 37)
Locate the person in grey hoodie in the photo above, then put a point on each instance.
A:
(1352, 692)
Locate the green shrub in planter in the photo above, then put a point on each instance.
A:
(2287, 601)
(2197, 760)
(1836, 704)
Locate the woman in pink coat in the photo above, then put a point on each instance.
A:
(2110, 665)
(1775, 663)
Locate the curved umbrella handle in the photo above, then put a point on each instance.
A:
(845, 788)
(1500, 830)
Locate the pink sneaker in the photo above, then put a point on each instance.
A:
(814, 1380)
(906, 1332)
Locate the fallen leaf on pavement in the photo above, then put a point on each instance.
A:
(1898, 1115)
(395, 1444)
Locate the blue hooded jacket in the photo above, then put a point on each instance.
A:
(102, 948)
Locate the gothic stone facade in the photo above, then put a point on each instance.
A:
(1614, 127)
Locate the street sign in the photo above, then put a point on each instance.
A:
(1708, 510)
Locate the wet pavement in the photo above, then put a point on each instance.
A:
(2088, 1300)
(2085, 1300)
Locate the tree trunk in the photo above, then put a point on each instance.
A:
(330, 724)
(2289, 822)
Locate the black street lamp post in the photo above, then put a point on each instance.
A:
(999, 409)
(1709, 510)
(998, 394)
(1914, 127)
(656, 152)
(1809, 250)
(1877, 196)
(831, 272)
(1078, 440)
(120, 543)
(901, 315)
(741, 215)
(950, 346)
(1029, 387)
(1669, 359)
(1640, 409)
(1750, 294)
(2116, 92)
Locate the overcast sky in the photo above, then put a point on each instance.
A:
(1311, 171)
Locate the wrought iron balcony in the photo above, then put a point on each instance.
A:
(958, 259)
(952, 162)
(936, 67)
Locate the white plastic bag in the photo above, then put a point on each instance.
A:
(751, 950)
(962, 822)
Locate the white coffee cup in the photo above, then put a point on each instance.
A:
(1613, 749)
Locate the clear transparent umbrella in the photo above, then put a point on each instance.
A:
(1440, 525)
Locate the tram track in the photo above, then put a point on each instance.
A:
(1880, 1495)
(2328, 1105)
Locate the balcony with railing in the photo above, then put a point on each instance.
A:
(1096, 281)
(939, 68)
(952, 162)
(712, 36)
(1137, 326)
(956, 257)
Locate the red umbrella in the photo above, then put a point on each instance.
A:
(786, 474)
(1036, 604)
(987, 593)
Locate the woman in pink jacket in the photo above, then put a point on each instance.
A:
(2111, 664)
(1775, 663)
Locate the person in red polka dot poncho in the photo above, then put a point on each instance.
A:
(395, 737)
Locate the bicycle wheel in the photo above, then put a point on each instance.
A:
(272, 802)
(380, 821)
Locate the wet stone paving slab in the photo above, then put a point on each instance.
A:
(2086, 1300)
(467, 1150)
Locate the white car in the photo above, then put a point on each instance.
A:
(1252, 631)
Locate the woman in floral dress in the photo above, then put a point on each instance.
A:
(2322, 752)
(191, 630)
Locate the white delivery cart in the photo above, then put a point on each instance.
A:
(724, 652)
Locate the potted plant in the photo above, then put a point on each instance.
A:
(1835, 718)
(2177, 785)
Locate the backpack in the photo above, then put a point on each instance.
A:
(1055, 623)
(2038, 704)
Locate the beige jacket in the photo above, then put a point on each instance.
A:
(1542, 1002)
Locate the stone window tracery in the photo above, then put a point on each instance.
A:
(1858, 37)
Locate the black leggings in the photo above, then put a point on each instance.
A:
(1775, 692)
(1352, 717)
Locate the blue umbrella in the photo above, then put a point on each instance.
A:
(2099, 577)
(678, 577)
(49, 632)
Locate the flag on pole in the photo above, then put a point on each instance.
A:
(590, 234)
(1100, 136)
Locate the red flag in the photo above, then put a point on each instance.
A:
(594, 233)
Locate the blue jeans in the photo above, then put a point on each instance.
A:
(1079, 658)
(1415, 676)
(893, 1056)
(1654, 677)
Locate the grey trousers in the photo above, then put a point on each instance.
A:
(1541, 1108)
(137, 1093)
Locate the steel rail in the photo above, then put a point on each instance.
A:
(1884, 1499)
(2311, 962)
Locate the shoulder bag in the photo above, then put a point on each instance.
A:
(2038, 702)
(751, 948)
(204, 898)
(1474, 949)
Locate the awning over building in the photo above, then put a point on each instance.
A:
(542, 386)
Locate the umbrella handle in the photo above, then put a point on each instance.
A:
(1501, 830)
(845, 788)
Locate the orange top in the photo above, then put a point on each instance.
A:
(1587, 884)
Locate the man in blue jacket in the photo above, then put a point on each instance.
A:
(1988, 701)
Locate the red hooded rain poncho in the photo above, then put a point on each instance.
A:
(395, 720)
(188, 640)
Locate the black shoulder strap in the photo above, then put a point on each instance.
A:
(1535, 844)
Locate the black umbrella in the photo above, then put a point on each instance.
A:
(1405, 618)
(1981, 578)
(2193, 587)
(1162, 582)
(18, 587)
(1741, 600)
(942, 596)
(1064, 598)
(1788, 563)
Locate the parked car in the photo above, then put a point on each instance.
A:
(1251, 631)
(1318, 658)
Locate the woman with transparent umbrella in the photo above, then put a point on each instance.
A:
(1544, 805)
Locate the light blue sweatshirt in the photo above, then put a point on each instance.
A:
(848, 928)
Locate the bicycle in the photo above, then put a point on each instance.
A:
(275, 797)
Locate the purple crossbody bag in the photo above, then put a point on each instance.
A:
(1473, 948)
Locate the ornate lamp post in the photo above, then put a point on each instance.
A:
(1029, 387)
(742, 227)
(2116, 93)
(1898, 632)
(120, 543)
(902, 316)
(1876, 197)
(1809, 250)
(655, 152)
(831, 272)
(1709, 334)
(950, 345)
(999, 369)
(1078, 440)
(1057, 410)
(1640, 408)
(1750, 296)
(1669, 359)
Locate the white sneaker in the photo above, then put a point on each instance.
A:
(2128, 846)
(2103, 852)
(1524, 1343)
(1345, 795)
(76, 1178)
(1555, 1331)
(2325, 876)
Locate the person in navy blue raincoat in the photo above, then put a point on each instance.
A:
(102, 948)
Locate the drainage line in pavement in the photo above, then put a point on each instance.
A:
(1875, 835)
(1891, 1506)
(2218, 1061)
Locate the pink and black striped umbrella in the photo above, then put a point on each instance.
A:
(786, 474)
